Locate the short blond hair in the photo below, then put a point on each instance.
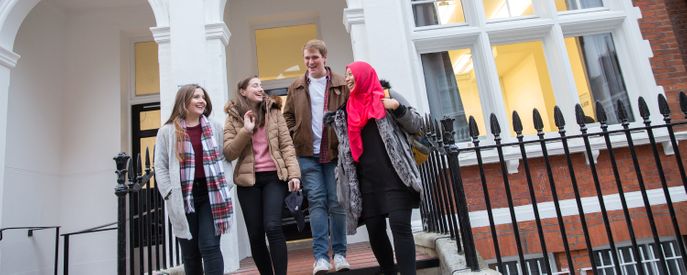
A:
(317, 45)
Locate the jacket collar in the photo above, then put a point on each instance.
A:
(333, 80)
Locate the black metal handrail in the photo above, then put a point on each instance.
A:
(444, 200)
(31, 229)
(65, 248)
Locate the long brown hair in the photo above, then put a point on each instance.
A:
(243, 106)
(179, 112)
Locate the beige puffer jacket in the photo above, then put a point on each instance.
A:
(238, 144)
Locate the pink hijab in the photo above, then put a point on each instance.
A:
(364, 103)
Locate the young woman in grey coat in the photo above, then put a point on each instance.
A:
(377, 175)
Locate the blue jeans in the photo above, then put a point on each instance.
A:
(327, 218)
(202, 252)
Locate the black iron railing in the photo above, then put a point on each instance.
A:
(67, 241)
(29, 232)
(547, 178)
(151, 245)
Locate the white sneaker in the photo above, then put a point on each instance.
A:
(340, 263)
(321, 266)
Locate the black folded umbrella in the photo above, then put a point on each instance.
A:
(293, 202)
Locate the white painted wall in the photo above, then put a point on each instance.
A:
(91, 131)
(34, 127)
(64, 126)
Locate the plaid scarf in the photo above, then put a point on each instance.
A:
(218, 191)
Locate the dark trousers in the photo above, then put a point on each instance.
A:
(262, 207)
(203, 249)
(404, 243)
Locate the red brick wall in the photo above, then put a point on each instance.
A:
(528, 230)
(664, 24)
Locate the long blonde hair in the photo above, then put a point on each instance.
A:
(179, 112)
(243, 106)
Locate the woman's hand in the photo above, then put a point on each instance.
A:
(294, 184)
(249, 121)
(390, 103)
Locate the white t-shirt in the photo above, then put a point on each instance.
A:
(316, 89)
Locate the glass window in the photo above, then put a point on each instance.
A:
(597, 75)
(279, 50)
(452, 89)
(674, 263)
(533, 266)
(498, 9)
(525, 83)
(149, 120)
(567, 5)
(147, 70)
(437, 12)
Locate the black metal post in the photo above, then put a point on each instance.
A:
(459, 193)
(57, 247)
(539, 126)
(517, 127)
(560, 124)
(65, 256)
(579, 115)
(601, 118)
(622, 115)
(120, 191)
(496, 131)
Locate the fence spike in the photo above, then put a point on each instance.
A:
(643, 108)
(663, 105)
(147, 158)
(132, 171)
(495, 127)
(139, 170)
(683, 103)
(579, 115)
(474, 130)
(517, 123)
(558, 117)
(600, 113)
(447, 133)
(622, 114)
(538, 122)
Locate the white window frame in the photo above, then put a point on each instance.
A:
(643, 246)
(618, 17)
(528, 257)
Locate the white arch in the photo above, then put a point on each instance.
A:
(160, 11)
(12, 14)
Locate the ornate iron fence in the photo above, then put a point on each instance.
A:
(555, 214)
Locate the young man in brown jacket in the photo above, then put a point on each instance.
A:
(310, 96)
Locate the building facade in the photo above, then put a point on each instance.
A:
(74, 73)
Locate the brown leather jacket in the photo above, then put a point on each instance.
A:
(298, 115)
(238, 144)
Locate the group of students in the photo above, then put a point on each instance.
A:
(344, 140)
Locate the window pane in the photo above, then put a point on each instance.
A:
(525, 83)
(452, 89)
(597, 75)
(147, 68)
(148, 142)
(280, 52)
(439, 12)
(567, 5)
(150, 120)
(495, 9)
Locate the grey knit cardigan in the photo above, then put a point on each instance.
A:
(395, 133)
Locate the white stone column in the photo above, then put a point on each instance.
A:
(354, 20)
(8, 59)
(192, 37)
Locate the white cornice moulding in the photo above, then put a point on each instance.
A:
(353, 16)
(8, 58)
(218, 31)
(160, 34)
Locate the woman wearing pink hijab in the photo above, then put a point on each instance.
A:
(376, 171)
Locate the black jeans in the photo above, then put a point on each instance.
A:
(404, 243)
(262, 207)
(203, 250)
